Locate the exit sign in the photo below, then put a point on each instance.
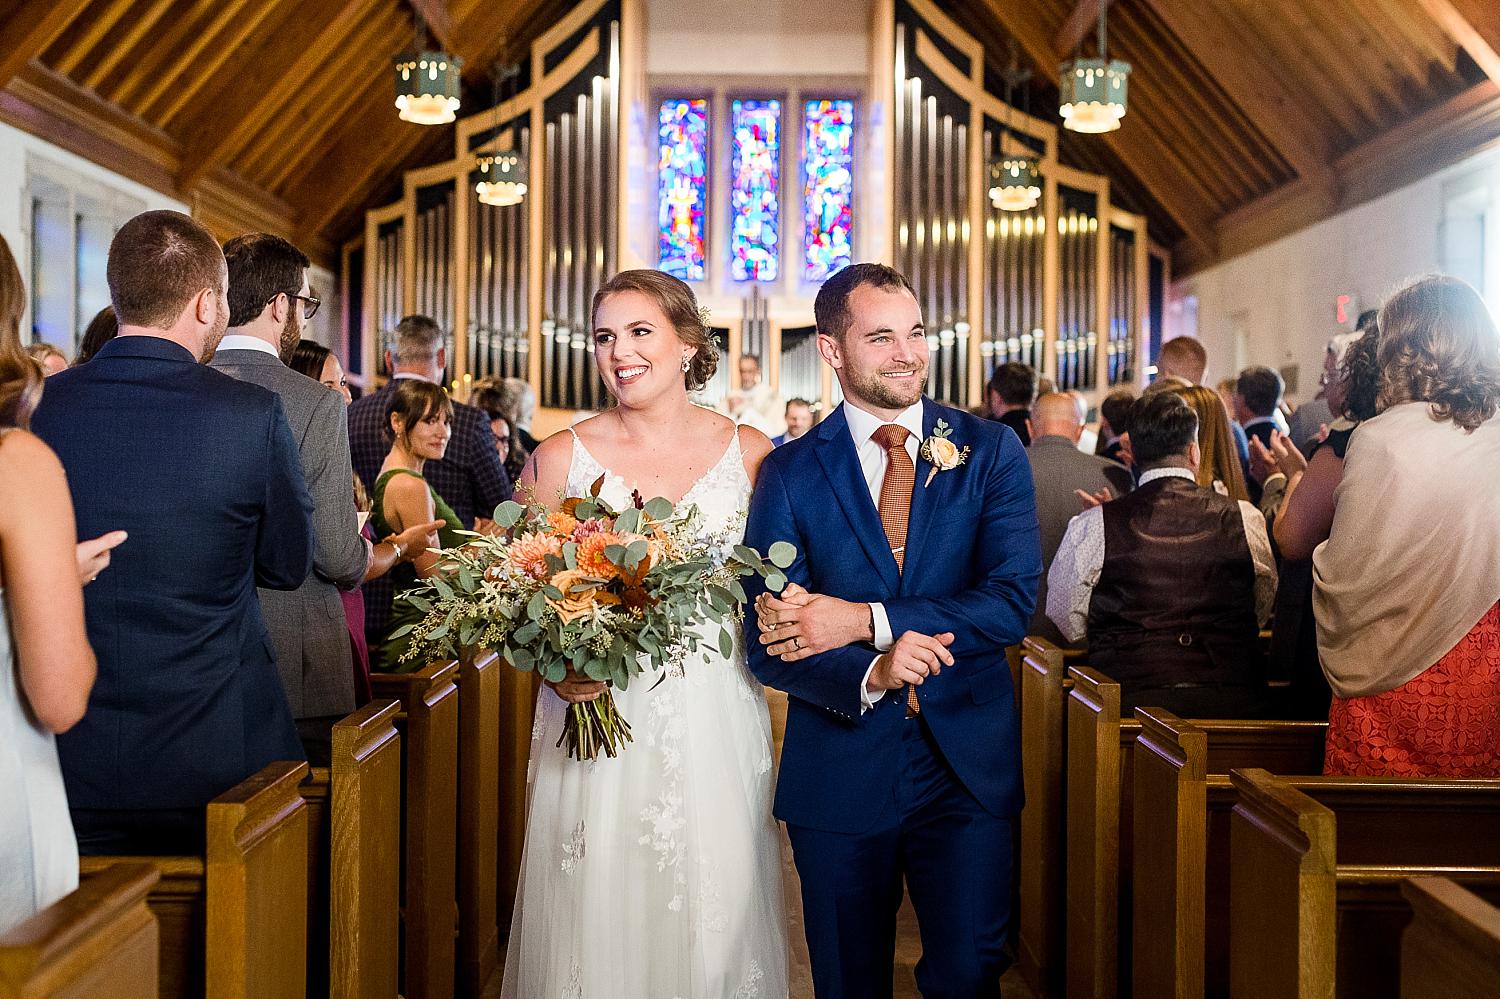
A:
(1346, 310)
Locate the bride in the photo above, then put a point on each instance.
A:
(656, 874)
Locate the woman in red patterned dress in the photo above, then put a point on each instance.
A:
(1407, 588)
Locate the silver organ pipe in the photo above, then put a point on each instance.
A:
(390, 303)
(499, 345)
(1123, 308)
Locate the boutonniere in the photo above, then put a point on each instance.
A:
(941, 452)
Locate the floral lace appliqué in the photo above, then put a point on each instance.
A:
(574, 848)
(573, 988)
(750, 987)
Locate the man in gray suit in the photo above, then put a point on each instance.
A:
(1058, 471)
(269, 305)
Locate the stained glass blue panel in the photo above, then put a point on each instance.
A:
(682, 186)
(828, 187)
(754, 201)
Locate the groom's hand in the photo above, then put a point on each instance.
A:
(798, 624)
(912, 659)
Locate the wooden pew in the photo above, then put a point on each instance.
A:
(354, 810)
(233, 923)
(479, 678)
(1451, 949)
(1043, 693)
(429, 723)
(1101, 831)
(99, 942)
(1316, 872)
(1180, 802)
(518, 693)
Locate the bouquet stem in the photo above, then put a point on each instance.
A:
(593, 726)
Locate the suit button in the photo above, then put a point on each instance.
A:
(1184, 639)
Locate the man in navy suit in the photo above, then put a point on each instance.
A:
(203, 473)
(902, 752)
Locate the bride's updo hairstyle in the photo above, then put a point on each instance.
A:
(20, 376)
(677, 303)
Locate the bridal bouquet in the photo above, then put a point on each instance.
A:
(611, 593)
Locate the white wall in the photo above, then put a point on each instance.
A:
(769, 37)
(1278, 301)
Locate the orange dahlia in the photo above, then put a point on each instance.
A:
(562, 523)
(529, 552)
(591, 557)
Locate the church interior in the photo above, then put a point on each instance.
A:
(1069, 185)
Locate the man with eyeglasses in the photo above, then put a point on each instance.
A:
(269, 306)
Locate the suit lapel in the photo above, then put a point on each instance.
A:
(840, 463)
(926, 500)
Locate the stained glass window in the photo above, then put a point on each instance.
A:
(828, 187)
(754, 180)
(682, 186)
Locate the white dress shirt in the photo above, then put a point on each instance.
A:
(1080, 559)
(872, 462)
(239, 341)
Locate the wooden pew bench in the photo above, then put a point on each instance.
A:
(428, 721)
(480, 674)
(1451, 949)
(1101, 827)
(354, 844)
(98, 942)
(1316, 870)
(233, 923)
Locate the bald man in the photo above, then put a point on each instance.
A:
(1058, 468)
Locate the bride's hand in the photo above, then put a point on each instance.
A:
(576, 689)
(799, 624)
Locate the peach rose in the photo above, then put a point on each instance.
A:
(944, 453)
(580, 595)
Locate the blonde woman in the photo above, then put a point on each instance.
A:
(1220, 464)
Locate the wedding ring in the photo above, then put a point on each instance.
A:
(796, 643)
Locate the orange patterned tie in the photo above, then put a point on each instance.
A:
(895, 507)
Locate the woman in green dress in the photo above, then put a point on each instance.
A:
(418, 421)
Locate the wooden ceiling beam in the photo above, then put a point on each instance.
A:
(1473, 27)
(1250, 81)
(232, 53)
(435, 14)
(1133, 145)
(164, 55)
(114, 54)
(183, 62)
(27, 27)
(213, 147)
(1083, 19)
(93, 31)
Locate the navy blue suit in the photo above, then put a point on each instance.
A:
(871, 799)
(202, 470)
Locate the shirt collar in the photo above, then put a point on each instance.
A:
(1170, 472)
(1256, 421)
(410, 374)
(239, 341)
(862, 424)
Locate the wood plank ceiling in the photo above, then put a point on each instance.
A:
(1247, 119)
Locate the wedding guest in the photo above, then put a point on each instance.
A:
(49, 357)
(502, 406)
(469, 476)
(419, 424)
(1058, 471)
(1257, 396)
(321, 364)
(1406, 588)
(269, 306)
(202, 470)
(103, 328)
(46, 665)
(1171, 583)
(1114, 424)
(520, 399)
(1298, 501)
(1218, 465)
(1307, 423)
(799, 420)
(1185, 357)
(1011, 391)
(754, 403)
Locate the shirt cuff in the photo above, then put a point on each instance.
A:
(1272, 478)
(868, 700)
(880, 624)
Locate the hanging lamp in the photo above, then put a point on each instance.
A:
(1092, 92)
(427, 82)
(1015, 180)
(503, 172)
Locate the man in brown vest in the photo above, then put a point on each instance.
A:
(1170, 583)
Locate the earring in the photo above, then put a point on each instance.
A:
(687, 364)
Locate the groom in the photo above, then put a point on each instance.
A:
(902, 750)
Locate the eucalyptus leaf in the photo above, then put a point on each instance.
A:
(738, 591)
(782, 554)
(635, 553)
(466, 578)
(775, 582)
(522, 658)
(628, 522)
(726, 643)
(536, 606)
(615, 553)
(570, 554)
(526, 633)
(400, 632)
(508, 513)
(659, 508)
(747, 555)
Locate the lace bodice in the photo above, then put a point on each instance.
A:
(721, 494)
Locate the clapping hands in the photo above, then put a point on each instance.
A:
(1281, 457)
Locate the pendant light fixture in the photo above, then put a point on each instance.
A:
(502, 171)
(427, 82)
(1015, 180)
(1092, 92)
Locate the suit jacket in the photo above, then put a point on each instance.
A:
(470, 478)
(202, 470)
(307, 624)
(971, 567)
(1057, 469)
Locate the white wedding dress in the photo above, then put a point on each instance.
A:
(657, 874)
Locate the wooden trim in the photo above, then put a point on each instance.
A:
(1466, 34)
(29, 28)
(973, 91)
(559, 33)
(949, 29)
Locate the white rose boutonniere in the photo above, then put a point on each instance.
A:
(941, 452)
